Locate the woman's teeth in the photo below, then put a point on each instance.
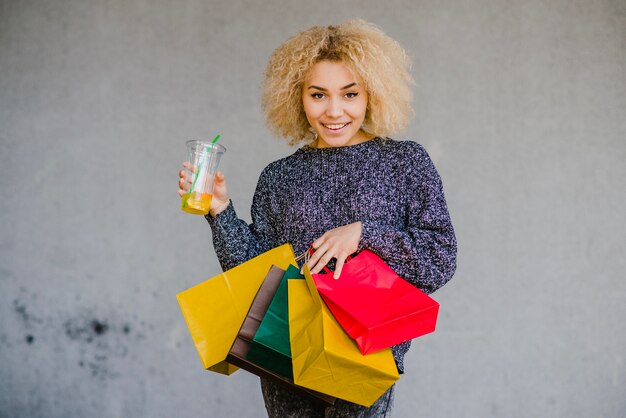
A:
(335, 126)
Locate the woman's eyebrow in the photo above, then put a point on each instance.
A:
(323, 89)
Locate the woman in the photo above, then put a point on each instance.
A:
(341, 89)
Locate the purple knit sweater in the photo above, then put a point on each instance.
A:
(391, 186)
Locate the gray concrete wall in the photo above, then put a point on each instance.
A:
(520, 103)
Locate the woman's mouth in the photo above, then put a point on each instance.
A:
(335, 126)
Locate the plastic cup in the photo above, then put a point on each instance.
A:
(204, 158)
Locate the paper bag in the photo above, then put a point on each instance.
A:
(374, 305)
(325, 358)
(215, 309)
(270, 346)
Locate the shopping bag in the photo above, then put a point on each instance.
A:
(215, 309)
(325, 358)
(270, 346)
(374, 305)
(238, 354)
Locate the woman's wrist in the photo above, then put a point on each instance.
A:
(214, 211)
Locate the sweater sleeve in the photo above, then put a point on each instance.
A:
(423, 251)
(234, 240)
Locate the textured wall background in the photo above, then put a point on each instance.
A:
(520, 103)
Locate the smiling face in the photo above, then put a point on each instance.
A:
(335, 103)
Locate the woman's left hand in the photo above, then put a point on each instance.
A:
(337, 243)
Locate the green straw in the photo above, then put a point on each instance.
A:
(202, 164)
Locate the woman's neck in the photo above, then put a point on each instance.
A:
(360, 137)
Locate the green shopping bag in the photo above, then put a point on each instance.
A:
(270, 347)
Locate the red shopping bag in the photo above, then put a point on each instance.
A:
(375, 306)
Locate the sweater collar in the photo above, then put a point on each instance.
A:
(341, 150)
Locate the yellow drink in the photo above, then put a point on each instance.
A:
(196, 203)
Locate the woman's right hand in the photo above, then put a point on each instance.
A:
(220, 199)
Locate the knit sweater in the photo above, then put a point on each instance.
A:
(392, 187)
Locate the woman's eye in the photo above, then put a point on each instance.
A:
(351, 95)
(317, 96)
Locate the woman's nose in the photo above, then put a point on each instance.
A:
(334, 108)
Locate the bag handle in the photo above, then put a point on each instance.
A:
(306, 256)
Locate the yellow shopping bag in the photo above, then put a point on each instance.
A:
(325, 358)
(215, 309)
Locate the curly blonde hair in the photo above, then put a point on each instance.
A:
(380, 61)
